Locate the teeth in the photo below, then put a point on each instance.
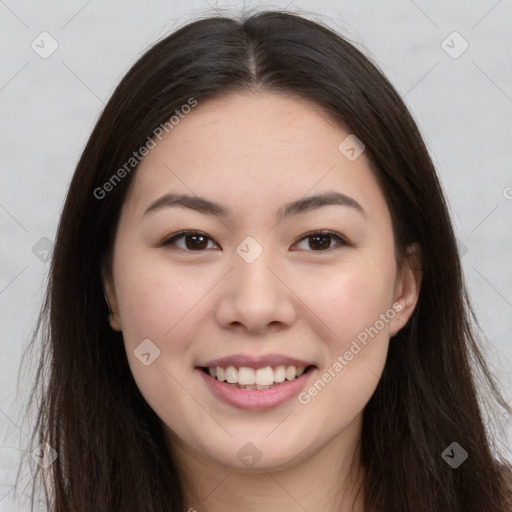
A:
(246, 376)
(261, 378)
(231, 375)
(291, 372)
(264, 376)
(280, 374)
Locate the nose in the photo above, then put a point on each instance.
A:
(255, 296)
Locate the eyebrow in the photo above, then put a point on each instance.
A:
(207, 207)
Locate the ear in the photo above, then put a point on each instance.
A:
(407, 288)
(109, 292)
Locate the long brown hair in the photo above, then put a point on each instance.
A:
(111, 450)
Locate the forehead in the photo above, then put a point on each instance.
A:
(245, 149)
(257, 127)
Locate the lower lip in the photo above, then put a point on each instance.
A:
(255, 399)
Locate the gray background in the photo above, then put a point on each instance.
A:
(48, 108)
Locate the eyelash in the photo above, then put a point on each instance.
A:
(182, 234)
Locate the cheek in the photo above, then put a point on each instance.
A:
(356, 306)
(167, 304)
(154, 296)
(145, 304)
(157, 304)
(352, 298)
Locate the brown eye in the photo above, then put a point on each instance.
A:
(321, 241)
(189, 241)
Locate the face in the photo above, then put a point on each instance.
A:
(267, 276)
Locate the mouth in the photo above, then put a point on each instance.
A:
(256, 389)
(245, 377)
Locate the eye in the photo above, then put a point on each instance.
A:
(192, 241)
(196, 241)
(320, 241)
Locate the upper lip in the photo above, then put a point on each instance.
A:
(261, 361)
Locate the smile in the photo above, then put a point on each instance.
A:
(256, 396)
(245, 377)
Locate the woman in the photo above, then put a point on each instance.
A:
(255, 298)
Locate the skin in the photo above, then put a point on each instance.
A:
(253, 153)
